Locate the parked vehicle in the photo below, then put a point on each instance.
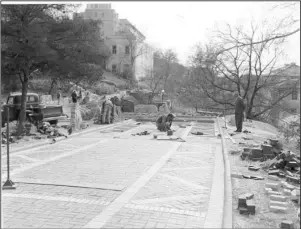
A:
(35, 111)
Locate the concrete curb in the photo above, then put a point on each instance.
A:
(227, 210)
(73, 135)
(215, 213)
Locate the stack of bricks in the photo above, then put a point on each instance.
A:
(267, 151)
(255, 154)
(287, 224)
(279, 198)
(246, 204)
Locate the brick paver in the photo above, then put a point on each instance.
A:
(175, 196)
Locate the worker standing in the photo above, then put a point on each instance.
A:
(239, 112)
(108, 106)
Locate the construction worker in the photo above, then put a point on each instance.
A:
(74, 96)
(106, 115)
(239, 112)
(164, 123)
(58, 96)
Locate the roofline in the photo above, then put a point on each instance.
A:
(134, 27)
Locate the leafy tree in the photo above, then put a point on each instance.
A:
(41, 38)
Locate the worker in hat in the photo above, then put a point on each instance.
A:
(164, 122)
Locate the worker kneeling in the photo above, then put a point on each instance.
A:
(164, 122)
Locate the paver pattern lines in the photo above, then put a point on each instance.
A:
(160, 189)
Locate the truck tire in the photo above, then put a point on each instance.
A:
(53, 122)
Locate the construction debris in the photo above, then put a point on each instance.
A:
(4, 138)
(142, 133)
(197, 133)
(253, 168)
(50, 131)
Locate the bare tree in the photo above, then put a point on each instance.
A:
(191, 93)
(154, 80)
(247, 67)
(166, 58)
(288, 25)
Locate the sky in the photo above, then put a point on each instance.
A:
(181, 25)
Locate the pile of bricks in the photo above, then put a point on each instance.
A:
(266, 151)
(280, 193)
(246, 204)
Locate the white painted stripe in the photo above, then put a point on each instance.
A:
(180, 180)
(28, 151)
(166, 199)
(26, 167)
(55, 198)
(171, 210)
(112, 209)
(28, 158)
(179, 168)
(203, 146)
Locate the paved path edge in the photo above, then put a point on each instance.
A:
(70, 136)
(227, 216)
(215, 213)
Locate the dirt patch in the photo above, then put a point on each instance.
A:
(263, 217)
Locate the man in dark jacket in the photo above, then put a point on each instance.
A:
(239, 112)
(164, 123)
(74, 96)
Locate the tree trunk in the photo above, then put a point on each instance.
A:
(196, 108)
(22, 115)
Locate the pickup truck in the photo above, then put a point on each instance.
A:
(34, 110)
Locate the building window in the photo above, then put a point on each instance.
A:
(126, 67)
(293, 110)
(96, 6)
(114, 68)
(127, 50)
(294, 94)
(114, 49)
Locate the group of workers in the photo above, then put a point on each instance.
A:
(164, 123)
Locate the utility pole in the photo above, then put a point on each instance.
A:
(1, 210)
(8, 183)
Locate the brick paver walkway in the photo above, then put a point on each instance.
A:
(113, 179)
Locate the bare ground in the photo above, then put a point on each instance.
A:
(263, 218)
